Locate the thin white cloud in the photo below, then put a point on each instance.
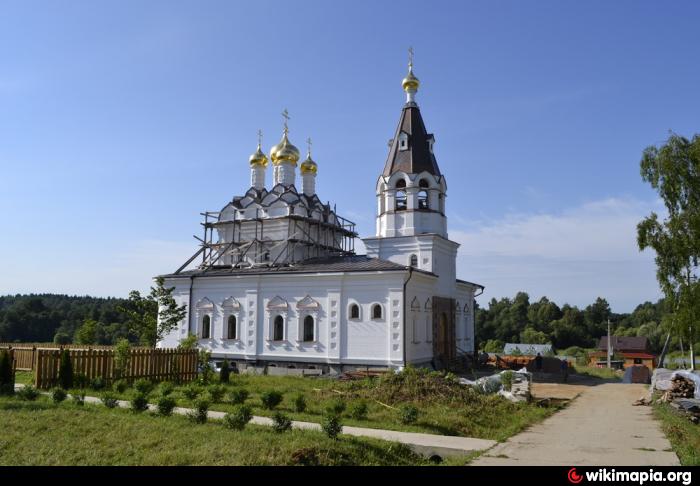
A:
(573, 256)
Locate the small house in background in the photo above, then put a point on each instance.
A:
(634, 350)
(527, 349)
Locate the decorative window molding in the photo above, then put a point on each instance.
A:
(308, 310)
(277, 312)
(428, 321)
(231, 310)
(403, 141)
(413, 261)
(204, 308)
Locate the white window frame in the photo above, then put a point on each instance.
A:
(231, 307)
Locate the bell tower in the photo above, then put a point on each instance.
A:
(411, 190)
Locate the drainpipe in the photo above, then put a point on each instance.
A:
(189, 306)
(403, 297)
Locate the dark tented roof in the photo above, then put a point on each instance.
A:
(354, 263)
(624, 343)
(418, 157)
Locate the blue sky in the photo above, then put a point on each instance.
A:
(120, 121)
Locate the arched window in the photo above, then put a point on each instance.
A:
(278, 329)
(423, 183)
(400, 184)
(354, 311)
(377, 311)
(423, 200)
(414, 261)
(232, 327)
(308, 329)
(400, 200)
(206, 327)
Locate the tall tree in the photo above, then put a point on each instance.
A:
(152, 317)
(673, 170)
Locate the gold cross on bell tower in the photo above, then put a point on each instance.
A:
(308, 144)
(285, 115)
(410, 57)
(259, 138)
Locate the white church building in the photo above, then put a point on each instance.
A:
(276, 281)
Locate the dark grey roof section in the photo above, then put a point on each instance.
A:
(471, 283)
(624, 343)
(418, 157)
(354, 263)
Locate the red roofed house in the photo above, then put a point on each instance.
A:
(633, 350)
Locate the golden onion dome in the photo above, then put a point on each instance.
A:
(258, 159)
(284, 151)
(410, 82)
(309, 166)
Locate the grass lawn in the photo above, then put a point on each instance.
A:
(595, 372)
(444, 407)
(681, 432)
(43, 433)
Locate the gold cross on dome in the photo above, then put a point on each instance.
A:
(308, 143)
(285, 115)
(259, 138)
(410, 56)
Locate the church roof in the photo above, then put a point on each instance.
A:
(353, 263)
(418, 157)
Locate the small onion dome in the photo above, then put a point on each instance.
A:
(284, 152)
(309, 166)
(410, 82)
(258, 159)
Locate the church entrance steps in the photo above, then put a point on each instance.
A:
(425, 444)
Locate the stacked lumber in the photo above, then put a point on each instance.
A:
(681, 387)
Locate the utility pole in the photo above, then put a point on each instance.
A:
(609, 345)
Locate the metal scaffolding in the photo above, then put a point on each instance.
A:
(305, 238)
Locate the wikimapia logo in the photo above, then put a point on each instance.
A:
(638, 477)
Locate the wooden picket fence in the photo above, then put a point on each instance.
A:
(176, 365)
(23, 357)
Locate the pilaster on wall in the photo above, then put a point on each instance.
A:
(395, 321)
(250, 338)
(334, 328)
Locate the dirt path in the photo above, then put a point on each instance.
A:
(600, 427)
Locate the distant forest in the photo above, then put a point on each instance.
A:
(62, 319)
(517, 320)
(93, 320)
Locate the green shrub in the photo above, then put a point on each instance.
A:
(28, 392)
(225, 372)
(359, 410)
(280, 422)
(7, 377)
(80, 380)
(166, 388)
(65, 371)
(139, 403)
(332, 426)
(239, 418)
(143, 385)
(238, 396)
(120, 386)
(122, 353)
(79, 398)
(58, 395)
(270, 399)
(192, 391)
(109, 400)
(336, 407)
(408, 414)
(199, 414)
(507, 380)
(300, 403)
(97, 383)
(216, 393)
(165, 406)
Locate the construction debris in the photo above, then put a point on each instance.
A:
(688, 406)
(518, 384)
(681, 387)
